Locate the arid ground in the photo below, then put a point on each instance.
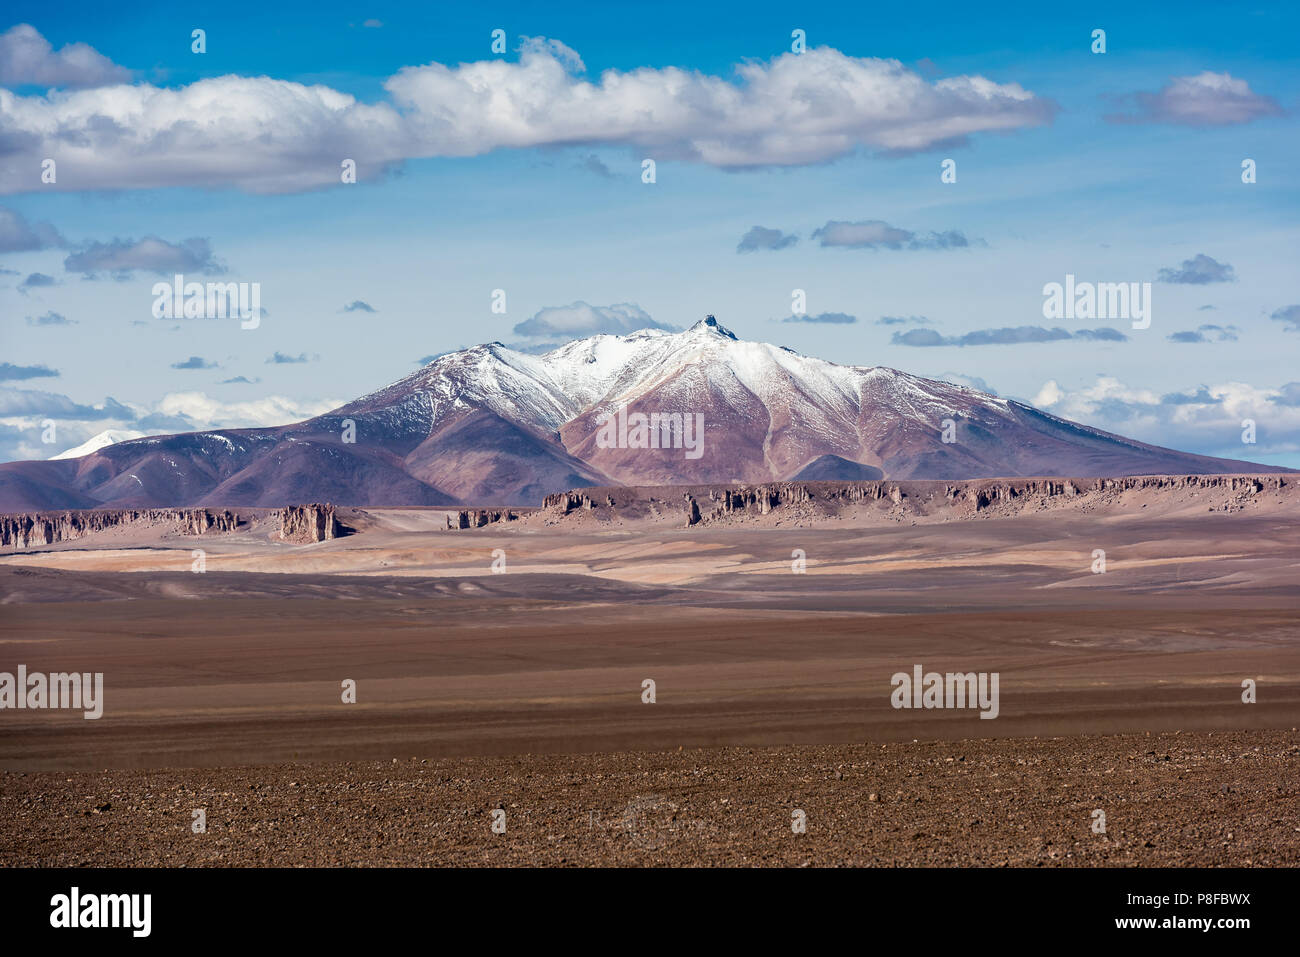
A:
(523, 689)
(1207, 799)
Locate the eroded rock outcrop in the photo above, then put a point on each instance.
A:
(30, 529)
(303, 524)
(477, 518)
(919, 499)
(567, 502)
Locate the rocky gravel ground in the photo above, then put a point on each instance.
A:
(1220, 799)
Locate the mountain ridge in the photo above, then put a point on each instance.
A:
(492, 426)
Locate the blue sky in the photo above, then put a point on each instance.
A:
(549, 205)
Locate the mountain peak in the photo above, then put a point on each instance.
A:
(492, 425)
(711, 325)
(96, 442)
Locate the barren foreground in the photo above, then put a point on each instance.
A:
(771, 647)
(1225, 799)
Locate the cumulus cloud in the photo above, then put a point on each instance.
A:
(1289, 315)
(1289, 395)
(22, 412)
(1198, 271)
(760, 237)
(27, 58)
(1201, 396)
(1206, 333)
(239, 380)
(922, 337)
(9, 372)
(281, 359)
(205, 412)
(902, 321)
(51, 319)
(16, 234)
(194, 362)
(580, 319)
(832, 318)
(18, 405)
(1009, 335)
(358, 305)
(969, 381)
(791, 110)
(877, 234)
(1207, 99)
(268, 135)
(121, 257)
(1205, 419)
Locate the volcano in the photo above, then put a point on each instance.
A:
(494, 426)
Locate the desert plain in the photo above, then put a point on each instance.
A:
(503, 668)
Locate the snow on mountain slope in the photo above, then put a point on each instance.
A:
(603, 371)
(509, 383)
(97, 442)
(492, 426)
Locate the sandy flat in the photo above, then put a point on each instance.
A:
(241, 667)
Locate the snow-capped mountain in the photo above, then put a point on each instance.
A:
(99, 441)
(490, 425)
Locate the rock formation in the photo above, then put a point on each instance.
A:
(477, 518)
(296, 523)
(931, 499)
(28, 529)
(309, 523)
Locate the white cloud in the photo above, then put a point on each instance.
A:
(151, 254)
(262, 134)
(1048, 395)
(1207, 99)
(267, 135)
(1207, 419)
(17, 235)
(875, 233)
(969, 381)
(22, 413)
(26, 57)
(581, 319)
(1089, 400)
(207, 412)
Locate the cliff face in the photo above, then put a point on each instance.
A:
(477, 518)
(296, 523)
(898, 500)
(309, 523)
(46, 528)
(566, 502)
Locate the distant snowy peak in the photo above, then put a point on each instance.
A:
(96, 442)
(547, 391)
